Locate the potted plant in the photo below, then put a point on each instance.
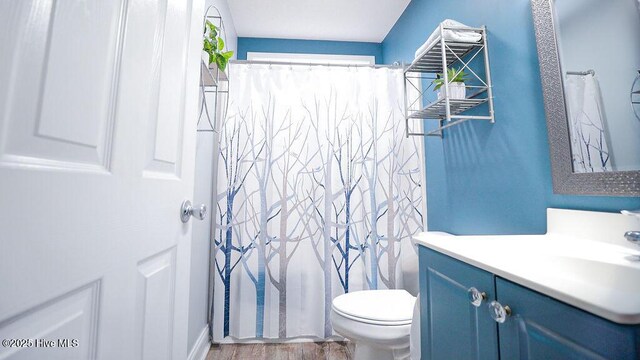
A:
(457, 89)
(214, 47)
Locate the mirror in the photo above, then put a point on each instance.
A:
(589, 52)
(599, 48)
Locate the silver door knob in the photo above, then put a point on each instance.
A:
(188, 210)
(476, 297)
(498, 312)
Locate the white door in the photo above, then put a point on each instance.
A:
(98, 105)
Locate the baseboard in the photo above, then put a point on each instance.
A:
(300, 339)
(201, 347)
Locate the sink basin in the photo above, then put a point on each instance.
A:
(597, 273)
(600, 283)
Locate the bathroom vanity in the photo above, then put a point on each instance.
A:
(573, 293)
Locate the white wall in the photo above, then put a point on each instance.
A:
(201, 248)
(603, 36)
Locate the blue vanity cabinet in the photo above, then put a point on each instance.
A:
(544, 328)
(451, 326)
(538, 327)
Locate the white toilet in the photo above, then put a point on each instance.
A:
(379, 322)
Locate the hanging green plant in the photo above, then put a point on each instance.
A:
(214, 46)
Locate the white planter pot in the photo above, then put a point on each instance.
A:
(457, 91)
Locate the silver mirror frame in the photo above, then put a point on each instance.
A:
(565, 181)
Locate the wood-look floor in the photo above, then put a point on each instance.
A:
(291, 351)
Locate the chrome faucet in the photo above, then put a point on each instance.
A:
(634, 235)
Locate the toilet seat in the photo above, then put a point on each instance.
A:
(377, 321)
(376, 307)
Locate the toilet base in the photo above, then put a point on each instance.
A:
(366, 352)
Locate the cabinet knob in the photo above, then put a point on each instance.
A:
(498, 312)
(476, 297)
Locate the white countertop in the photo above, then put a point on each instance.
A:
(602, 278)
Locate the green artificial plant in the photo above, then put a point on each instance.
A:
(453, 75)
(214, 46)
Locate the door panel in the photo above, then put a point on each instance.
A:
(543, 328)
(50, 117)
(165, 145)
(90, 247)
(155, 295)
(67, 110)
(71, 316)
(452, 327)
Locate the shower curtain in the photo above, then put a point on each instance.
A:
(589, 147)
(317, 191)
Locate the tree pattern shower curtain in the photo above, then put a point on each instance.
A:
(587, 125)
(317, 191)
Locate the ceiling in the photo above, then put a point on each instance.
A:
(341, 20)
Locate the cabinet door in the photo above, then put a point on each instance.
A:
(451, 326)
(544, 328)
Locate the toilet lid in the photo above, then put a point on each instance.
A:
(377, 305)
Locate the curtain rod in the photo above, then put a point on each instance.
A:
(396, 65)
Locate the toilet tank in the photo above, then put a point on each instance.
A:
(409, 266)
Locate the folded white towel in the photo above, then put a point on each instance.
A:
(450, 35)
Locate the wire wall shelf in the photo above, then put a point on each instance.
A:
(214, 85)
(438, 109)
(449, 109)
(431, 61)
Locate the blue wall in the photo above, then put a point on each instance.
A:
(482, 178)
(308, 47)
